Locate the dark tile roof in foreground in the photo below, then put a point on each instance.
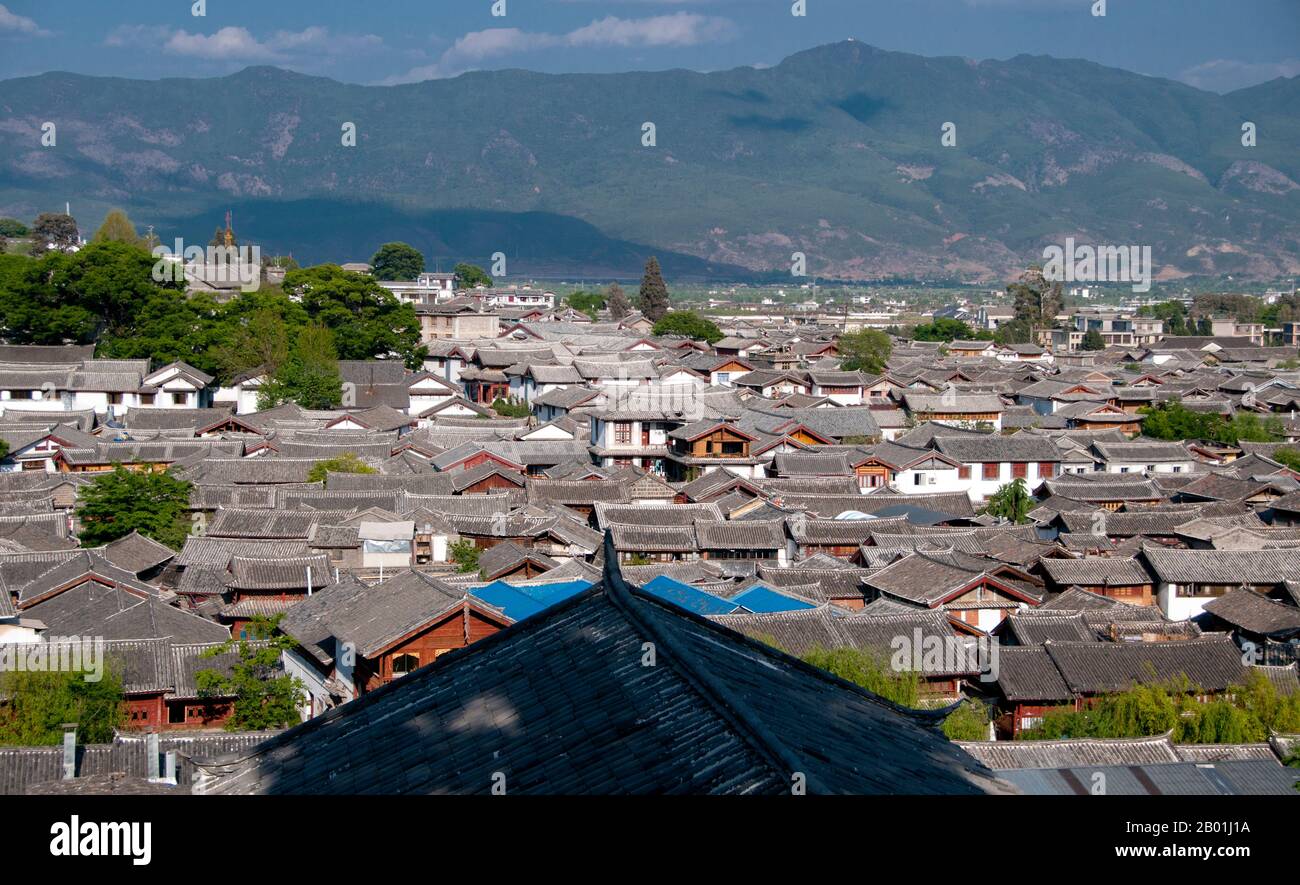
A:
(561, 703)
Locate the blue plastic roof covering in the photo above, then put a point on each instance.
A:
(549, 594)
(516, 605)
(760, 599)
(690, 598)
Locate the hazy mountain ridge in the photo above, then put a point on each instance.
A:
(835, 152)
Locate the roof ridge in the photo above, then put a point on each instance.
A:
(715, 693)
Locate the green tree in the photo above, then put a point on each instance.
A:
(1174, 421)
(309, 375)
(507, 409)
(53, 230)
(688, 324)
(367, 320)
(12, 227)
(264, 695)
(258, 341)
(1036, 300)
(37, 704)
(465, 555)
(1092, 340)
(396, 261)
(946, 329)
(96, 294)
(619, 304)
(653, 299)
(470, 276)
(1287, 456)
(122, 501)
(866, 670)
(590, 303)
(968, 722)
(117, 228)
(348, 462)
(866, 350)
(1012, 502)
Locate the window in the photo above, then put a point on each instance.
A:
(1046, 469)
(1178, 468)
(146, 399)
(115, 399)
(963, 472)
(918, 479)
(623, 434)
(992, 470)
(179, 399)
(404, 664)
(1019, 470)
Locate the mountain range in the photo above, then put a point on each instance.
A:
(836, 152)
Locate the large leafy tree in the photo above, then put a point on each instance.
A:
(590, 303)
(1011, 502)
(117, 228)
(115, 504)
(865, 350)
(1092, 340)
(54, 229)
(653, 299)
(12, 227)
(468, 276)
(37, 704)
(397, 261)
(617, 301)
(946, 329)
(348, 462)
(1036, 300)
(1174, 421)
(309, 375)
(688, 324)
(265, 696)
(366, 319)
(95, 294)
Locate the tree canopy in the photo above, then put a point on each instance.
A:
(37, 704)
(115, 504)
(396, 261)
(619, 304)
(117, 228)
(688, 324)
(1011, 502)
(265, 696)
(865, 350)
(653, 299)
(469, 276)
(1174, 421)
(309, 375)
(348, 462)
(948, 329)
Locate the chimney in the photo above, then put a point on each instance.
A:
(151, 755)
(69, 750)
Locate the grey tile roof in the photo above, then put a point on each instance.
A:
(1253, 613)
(719, 713)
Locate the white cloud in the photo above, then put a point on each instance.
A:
(13, 23)
(1225, 74)
(476, 47)
(306, 48)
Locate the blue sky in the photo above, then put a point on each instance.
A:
(1213, 44)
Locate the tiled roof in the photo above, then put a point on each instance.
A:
(718, 714)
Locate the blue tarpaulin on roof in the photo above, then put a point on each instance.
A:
(516, 605)
(762, 599)
(518, 602)
(688, 597)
